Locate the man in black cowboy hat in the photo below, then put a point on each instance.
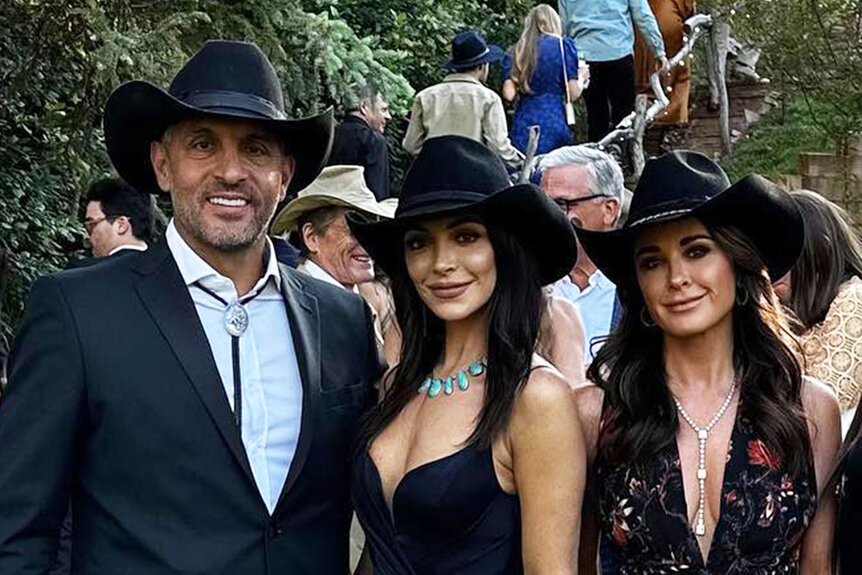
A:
(189, 400)
(461, 105)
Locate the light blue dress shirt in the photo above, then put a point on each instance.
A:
(602, 29)
(596, 304)
(271, 382)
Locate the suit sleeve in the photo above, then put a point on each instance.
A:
(376, 364)
(377, 167)
(41, 416)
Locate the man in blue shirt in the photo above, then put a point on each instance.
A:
(588, 186)
(603, 34)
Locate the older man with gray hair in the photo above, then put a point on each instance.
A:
(587, 184)
(316, 221)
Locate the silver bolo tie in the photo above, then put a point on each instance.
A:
(235, 320)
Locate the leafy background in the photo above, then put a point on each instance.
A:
(60, 59)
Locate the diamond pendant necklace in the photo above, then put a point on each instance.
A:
(432, 386)
(702, 436)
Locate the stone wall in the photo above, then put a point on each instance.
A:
(837, 178)
(748, 101)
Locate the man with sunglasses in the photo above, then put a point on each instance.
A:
(587, 185)
(118, 218)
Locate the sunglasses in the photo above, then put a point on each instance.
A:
(566, 204)
(90, 225)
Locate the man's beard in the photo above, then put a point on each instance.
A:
(224, 236)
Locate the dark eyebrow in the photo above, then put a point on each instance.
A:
(199, 131)
(646, 250)
(463, 220)
(688, 239)
(263, 136)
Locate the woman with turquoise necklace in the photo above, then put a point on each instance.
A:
(473, 462)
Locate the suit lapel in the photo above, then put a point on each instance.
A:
(167, 299)
(304, 319)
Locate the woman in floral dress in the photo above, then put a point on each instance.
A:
(711, 443)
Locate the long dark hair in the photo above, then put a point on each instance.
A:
(641, 419)
(831, 255)
(515, 311)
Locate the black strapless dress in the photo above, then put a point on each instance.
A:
(764, 512)
(449, 516)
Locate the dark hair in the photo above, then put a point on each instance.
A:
(640, 418)
(831, 255)
(320, 219)
(117, 198)
(366, 92)
(514, 316)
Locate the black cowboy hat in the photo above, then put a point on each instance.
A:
(224, 79)
(469, 50)
(685, 184)
(453, 174)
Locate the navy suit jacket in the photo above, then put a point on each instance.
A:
(114, 402)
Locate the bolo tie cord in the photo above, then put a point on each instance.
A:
(234, 349)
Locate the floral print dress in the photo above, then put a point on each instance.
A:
(764, 511)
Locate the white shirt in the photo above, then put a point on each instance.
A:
(596, 304)
(270, 378)
(133, 247)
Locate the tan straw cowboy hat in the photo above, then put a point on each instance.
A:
(337, 186)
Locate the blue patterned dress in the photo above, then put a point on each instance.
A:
(544, 105)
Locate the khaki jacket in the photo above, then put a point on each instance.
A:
(461, 105)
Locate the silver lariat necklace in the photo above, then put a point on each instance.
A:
(702, 436)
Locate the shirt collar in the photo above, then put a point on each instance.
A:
(319, 273)
(600, 279)
(133, 247)
(194, 268)
(596, 280)
(458, 77)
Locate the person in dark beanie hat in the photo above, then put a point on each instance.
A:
(470, 407)
(192, 402)
(461, 105)
(711, 444)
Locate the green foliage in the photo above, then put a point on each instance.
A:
(773, 148)
(421, 31)
(814, 48)
(60, 59)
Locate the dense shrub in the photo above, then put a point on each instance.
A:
(60, 60)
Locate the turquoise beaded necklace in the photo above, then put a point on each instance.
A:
(432, 386)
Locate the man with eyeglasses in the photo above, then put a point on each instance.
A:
(587, 185)
(118, 218)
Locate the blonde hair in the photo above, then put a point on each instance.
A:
(540, 20)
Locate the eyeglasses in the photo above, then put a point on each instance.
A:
(565, 204)
(90, 225)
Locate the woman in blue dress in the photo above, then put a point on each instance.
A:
(533, 70)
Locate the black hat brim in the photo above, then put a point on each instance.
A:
(138, 113)
(495, 54)
(523, 210)
(766, 215)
